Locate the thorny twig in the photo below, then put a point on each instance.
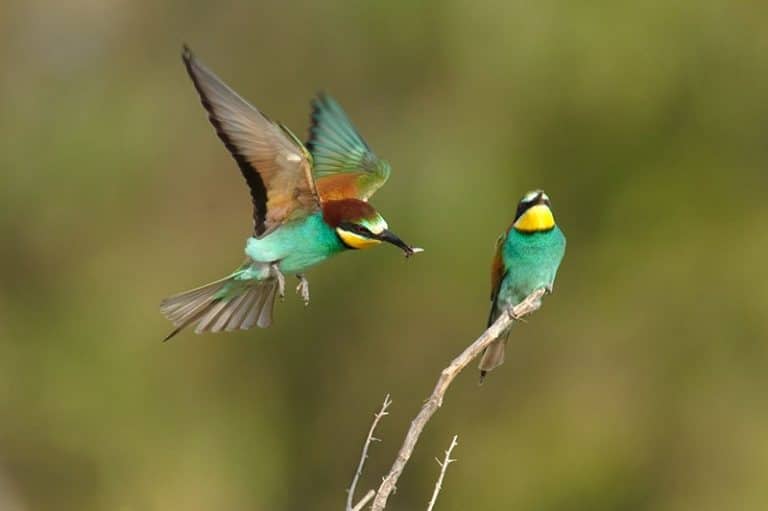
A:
(363, 456)
(443, 466)
(531, 303)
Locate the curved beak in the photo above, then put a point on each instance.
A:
(390, 237)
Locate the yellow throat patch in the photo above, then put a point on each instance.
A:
(536, 218)
(355, 240)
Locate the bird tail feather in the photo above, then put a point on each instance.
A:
(224, 305)
(493, 356)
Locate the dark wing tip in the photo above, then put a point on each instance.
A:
(323, 100)
(190, 62)
(199, 74)
(172, 334)
(316, 103)
(186, 53)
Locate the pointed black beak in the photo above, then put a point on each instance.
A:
(390, 237)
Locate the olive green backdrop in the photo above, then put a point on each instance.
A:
(641, 384)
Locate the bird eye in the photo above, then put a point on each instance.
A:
(357, 229)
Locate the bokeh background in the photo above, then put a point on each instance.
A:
(641, 385)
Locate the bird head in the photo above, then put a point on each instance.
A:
(358, 225)
(534, 213)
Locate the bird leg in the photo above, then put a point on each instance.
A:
(276, 273)
(515, 317)
(303, 288)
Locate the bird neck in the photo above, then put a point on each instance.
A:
(534, 219)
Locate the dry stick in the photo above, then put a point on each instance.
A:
(363, 457)
(530, 304)
(368, 496)
(443, 466)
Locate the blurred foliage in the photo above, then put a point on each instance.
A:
(640, 385)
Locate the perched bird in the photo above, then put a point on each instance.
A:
(527, 257)
(309, 203)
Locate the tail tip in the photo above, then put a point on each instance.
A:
(172, 334)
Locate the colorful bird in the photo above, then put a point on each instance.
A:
(309, 203)
(527, 257)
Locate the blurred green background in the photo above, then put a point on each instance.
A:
(642, 383)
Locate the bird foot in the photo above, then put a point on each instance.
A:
(280, 280)
(303, 289)
(515, 317)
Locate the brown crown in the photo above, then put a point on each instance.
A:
(336, 212)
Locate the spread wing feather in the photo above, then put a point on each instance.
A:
(344, 165)
(276, 166)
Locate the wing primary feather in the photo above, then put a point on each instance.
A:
(337, 148)
(332, 143)
(336, 134)
(196, 71)
(275, 164)
(341, 124)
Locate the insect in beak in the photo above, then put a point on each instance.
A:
(390, 237)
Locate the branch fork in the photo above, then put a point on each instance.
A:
(530, 304)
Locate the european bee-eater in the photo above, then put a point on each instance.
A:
(527, 257)
(309, 203)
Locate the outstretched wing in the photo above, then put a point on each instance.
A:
(344, 165)
(276, 166)
(497, 275)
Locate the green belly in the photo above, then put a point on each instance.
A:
(296, 245)
(531, 262)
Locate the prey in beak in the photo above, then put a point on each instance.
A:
(390, 237)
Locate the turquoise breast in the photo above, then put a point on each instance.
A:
(296, 245)
(531, 262)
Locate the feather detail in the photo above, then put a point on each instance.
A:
(344, 164)
(276, 166)
(216, 308)
(493, 356)
(497, 275)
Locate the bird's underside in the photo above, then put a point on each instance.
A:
(291, 184)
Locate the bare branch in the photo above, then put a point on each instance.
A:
(531, 303)
(443, 467)
(368, 496)
(370, 438)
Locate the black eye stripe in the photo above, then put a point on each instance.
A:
(356, 228)
(524, 206)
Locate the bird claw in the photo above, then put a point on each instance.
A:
(513, 316)
(302, 289)
(280, 281)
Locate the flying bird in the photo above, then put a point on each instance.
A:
(310, 202)
(527, 257)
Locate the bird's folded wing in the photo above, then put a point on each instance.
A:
(273, 161)
(344, 165)
(497, 275)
